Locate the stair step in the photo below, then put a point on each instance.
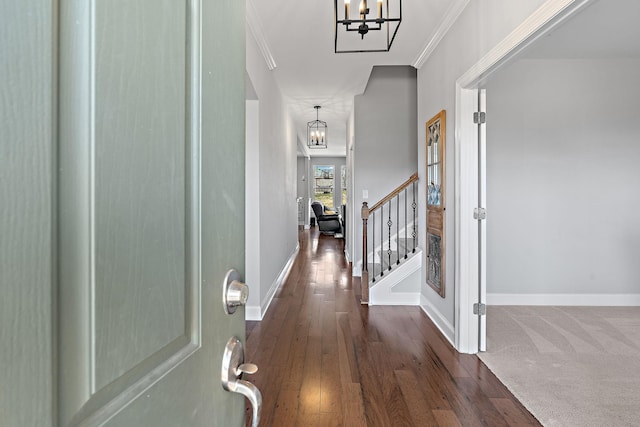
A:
(384, 256)
(406, 244)
(375, 269)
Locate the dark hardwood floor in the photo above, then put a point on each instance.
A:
(326, 360)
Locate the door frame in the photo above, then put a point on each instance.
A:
(470, 288)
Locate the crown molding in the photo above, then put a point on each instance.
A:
(450, 17)
(547, 17)
(253, 22)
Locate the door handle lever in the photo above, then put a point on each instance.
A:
(232, 370)
(252, 393)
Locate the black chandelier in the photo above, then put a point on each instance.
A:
(380, 29)
(317, 132)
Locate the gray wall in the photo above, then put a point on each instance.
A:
(304, 179)
(276, 178)
(351, 219)
(27, 168)
(480, 27)
(562, 177)
(385, 152)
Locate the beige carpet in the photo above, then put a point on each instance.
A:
(570, 366)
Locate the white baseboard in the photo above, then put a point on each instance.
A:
(618, 300)
(307, 226)
(356, 270)
(396, 298)
(253, 312)
(438, 319)
(381, 293)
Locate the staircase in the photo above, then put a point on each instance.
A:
(391, 260)
(386, 263)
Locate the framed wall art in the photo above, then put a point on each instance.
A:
(435, 135)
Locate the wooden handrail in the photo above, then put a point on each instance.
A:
(395, 192)
(366, 211)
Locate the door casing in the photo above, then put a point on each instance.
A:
(470, 331)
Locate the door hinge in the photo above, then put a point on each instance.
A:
(480, 309)
(479, 117)
(479, 214)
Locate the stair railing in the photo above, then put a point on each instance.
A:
(400, 204)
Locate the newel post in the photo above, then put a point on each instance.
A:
(364, 279)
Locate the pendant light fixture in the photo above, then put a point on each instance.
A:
(317, 132)
(369, 30)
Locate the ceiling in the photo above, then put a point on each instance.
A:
(297, 39)
(300, 37)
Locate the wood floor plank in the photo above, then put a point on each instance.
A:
(326, 360)
(514, 415)
(286, 409)
(446, 418)
(394, 405)
(353, 404)
(311, 383)
(414, 398)
(331, 387)
(346, 352)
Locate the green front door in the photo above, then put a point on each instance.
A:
(150, 212)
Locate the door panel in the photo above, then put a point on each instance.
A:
(151, 209)
(139, 193)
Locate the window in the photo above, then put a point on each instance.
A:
(323, 185)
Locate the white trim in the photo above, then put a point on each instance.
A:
(466, 227)
(395, 298)
(356, 271)
(540, 22)
(252, 312)
(595, 300)
(381, 293)
(438, 319)
(446, 23)
(482, 226)
(257, 313)
(402, 271)
(253, 22)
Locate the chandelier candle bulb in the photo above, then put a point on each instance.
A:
(316, 137)
(383, 20)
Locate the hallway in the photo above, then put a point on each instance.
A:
(326, 360)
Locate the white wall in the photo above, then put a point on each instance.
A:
(274, 185)
(562, 177)
(385, 153)
(480, 27)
